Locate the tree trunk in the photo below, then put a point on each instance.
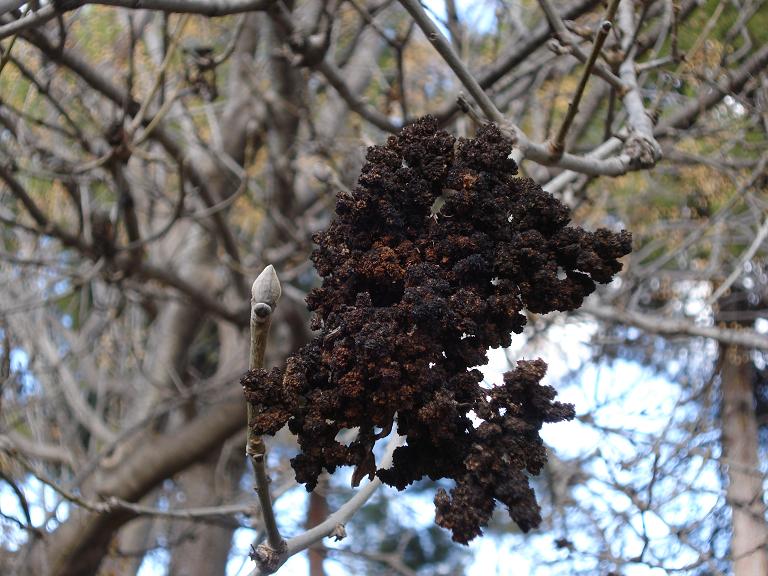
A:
(204, 549)
(131, 544)
(740, 458)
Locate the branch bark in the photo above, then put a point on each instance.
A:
(647, 151)
(265, 294)
(334, 525)
(210, 8)
(654, 324)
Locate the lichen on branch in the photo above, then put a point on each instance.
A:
(429, 262)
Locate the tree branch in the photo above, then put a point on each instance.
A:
(444, 48)
(647, 149)
(738, 269)
(541, 153)
(655, 324)
(210, 8)
(8, 5)
(519, 52)
(333, 75)
(683, 118)
(333, 526)
(98, 82)
(558, 146)
(265, 295)
(569, 39)
(167, 277)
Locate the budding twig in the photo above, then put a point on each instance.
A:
(558, 146)
(570, 42)
(264, 296)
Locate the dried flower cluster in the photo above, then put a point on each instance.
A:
(428, 263)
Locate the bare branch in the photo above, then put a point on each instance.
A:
(558, 146)
(648, 151)
(738, 269)
(595, 163)
(203, 7)
(41, 219)
(13, 442)
(654, 324)
(519, 52)
(333, 75)
(570, 40)
(211, 8)
(541, 153)
(443, 46)
(8, 5)
(333, 526)
(265, 294)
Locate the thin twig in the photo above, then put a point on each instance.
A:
(5, 54)
(558, 146)
(112, 503)
(178, 211)
(444, 48)
(158, 117)
(138, 118)
(653, 324)
(264, 296)
(541, 153)
(334, 525)
(230, 48)
(569, 39)
(739, 268)
(211, 8)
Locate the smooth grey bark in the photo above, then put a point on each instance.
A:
(78, 546)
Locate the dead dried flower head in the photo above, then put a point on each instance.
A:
(428, 263)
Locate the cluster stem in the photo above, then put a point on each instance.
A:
(264, 296)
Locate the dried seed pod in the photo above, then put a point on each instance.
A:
(430, 262)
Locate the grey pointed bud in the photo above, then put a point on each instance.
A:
(266, 288)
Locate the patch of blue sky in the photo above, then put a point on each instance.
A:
(12, 534)
(40, 499)
(476, 15)
(20, 368)
(155, 562)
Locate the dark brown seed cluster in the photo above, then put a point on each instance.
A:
(428, 263)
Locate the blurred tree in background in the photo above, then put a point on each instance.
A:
(156, 155)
